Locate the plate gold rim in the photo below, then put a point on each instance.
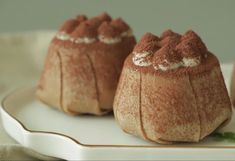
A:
(3, 106)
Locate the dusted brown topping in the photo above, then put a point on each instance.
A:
(148, 37)
(170, 40)
(148, 43)
(69, 26)
(81, 18)
(104, 17)
(169, 37)
(84, 30)
(108, 30)
(172, 50)
(191, 45)
(95, 21)
(166, 55)
(150, 47)
(120, 24)
(169, 33)
(100, 28)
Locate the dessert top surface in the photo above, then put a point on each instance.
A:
(88, 30)
(169, 51)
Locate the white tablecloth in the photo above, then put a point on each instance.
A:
(21, 60)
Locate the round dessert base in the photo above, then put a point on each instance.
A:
(185, 104)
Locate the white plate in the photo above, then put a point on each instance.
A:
(52, 133)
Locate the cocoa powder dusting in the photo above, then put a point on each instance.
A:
(171, 47)
(165, 55)
(103, 25)
(105, 17)
(84, 30)
(81, 18)
(170, 40)
(169, 33)
(148, 43)
(148, 37)
(69, 25)
(120, 24)
(95, 21)
(150, 47)
(108, 30)
(191, 45)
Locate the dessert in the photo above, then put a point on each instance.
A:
(83, 64)
(175, 90)
(232, 87)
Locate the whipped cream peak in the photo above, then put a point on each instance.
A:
(169, 33)
(170, 40)
(94, 21)
(171, 50)
(108, 30)
(191, 48)
(190, 34)
(69, 26)
(167, 54)
(84, 30)
(150, 47)
(100, 28)
(191, 44)
(81, 18)
(148, 43)
(105, 17)
(148, 37)
(120, 24)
